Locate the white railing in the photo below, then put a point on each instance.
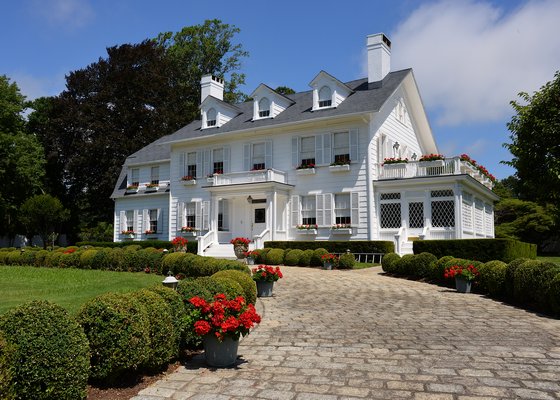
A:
(260, 238)
(265, 175)
(204, 242)
(449, 166)
(400, 238)
(425, 233)
(442, 234)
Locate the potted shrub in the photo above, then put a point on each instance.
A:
(240, 246)
(179, 244)
(328, 260)
(464, 277)
(220, 323)
(431, 160)
(265, 276)
(307, 229)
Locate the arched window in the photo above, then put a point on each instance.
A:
(325, 97)
(211, 117)
(264, 108)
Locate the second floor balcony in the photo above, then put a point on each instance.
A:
(448, 166)
(236, 178)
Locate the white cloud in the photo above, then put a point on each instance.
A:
(64, 13)
(471, 58)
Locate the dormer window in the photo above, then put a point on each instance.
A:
(264, 108)
(211, 117)
(325, 97)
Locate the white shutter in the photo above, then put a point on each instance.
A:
(199, 164)
(122, 220)
(320, 209)
(294, 207)
(207, 170)
(145, 219)
(135, 222)
(327, 149)
(226, 160)
(182, 166)
(159, 220)
(198, 215)
(180, 215)
(205, 215)
(354, 145)
(246, 157)
(295, 152)
(268, 154)
(327, 202)
(355, 208)
(318, 149)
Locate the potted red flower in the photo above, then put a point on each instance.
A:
(265, 276)
(329, 260)
(464, 276)
(240, 246)
(220, 323)
(179, 244)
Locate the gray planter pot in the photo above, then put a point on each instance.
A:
(220, 354)
(264, 288)
(462, 285)
(239, 251)
(250, 261)
(327, 265)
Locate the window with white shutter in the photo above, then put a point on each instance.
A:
(258, 157)
(308, 212)
(180, 215)
(129, 220)
(190, 215)
(134, 177)
(341, 147)
(323, 205)
(218, 161)
(191, 166)
(154, 175)
(205, 215)
(295, 210)
(342, 209)
(307, 151)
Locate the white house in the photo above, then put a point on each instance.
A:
(263, 168)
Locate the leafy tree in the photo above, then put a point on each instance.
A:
(535, 143)
(102, 232)
(21, 158)
(284, 90)
(42, 215)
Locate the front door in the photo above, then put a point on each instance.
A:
(415, 218)
(258, 218)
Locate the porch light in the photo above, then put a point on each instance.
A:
(396, 146)
(250, 200)
(170, 281)
(414, 156)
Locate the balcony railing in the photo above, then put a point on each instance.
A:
(265, 175)
(449, 166)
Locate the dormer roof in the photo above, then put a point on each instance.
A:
(276, 103)
(323, 76)
(262, 88)
(328, 92)
(211, 101)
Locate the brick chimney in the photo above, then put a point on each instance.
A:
(211, 86)
(379, 57)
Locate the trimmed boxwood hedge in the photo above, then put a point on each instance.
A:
(247, 283)
(192, 245)
(177, 310)
(46, 351)
(355, 246)
(483, 250)
(389, 261)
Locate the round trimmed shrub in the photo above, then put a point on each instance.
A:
(162, 330)
(316, 260)
(275, 257)
(260, 256)
(40, 258)
(231, 288)
(7, 367)
(116, 259)
(177, 310)
(52, 260)
(404, 266)
(292, 257)
(186, 264)
(439, 269)
(492, 278)
(50, 352)
(423, 265)
(70, 260)
(118, 330)
(172, 262)
(510, 272)
(102, 260)
(199, 287)
(14, 258)
(28, 257)
(204, 266)
(346, 261)
(132, 248)
(86, 259)
(553, 295)
(247, 283)
(305, 258)
(531, 281)
(388, 262)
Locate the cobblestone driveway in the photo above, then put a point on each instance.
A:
(360, 334)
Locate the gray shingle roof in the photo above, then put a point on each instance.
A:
(367, 97)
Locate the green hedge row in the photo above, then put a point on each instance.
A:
(192, 245)
(524, 282)
(302, 258)
(355, 246)
(484, 250)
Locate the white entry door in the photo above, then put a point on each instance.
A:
(415, 217)
(258, 218)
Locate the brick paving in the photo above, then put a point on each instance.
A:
(362, 335)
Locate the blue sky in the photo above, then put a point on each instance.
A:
(470, 58)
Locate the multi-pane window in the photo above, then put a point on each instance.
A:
(154, 175)
(342, 210)
(307, 153)
(218, 161)
(443, 214)
(135, 177)
(308, 213)
(325, 97)
(190, 215)
(258, 156)
(211, 117)
(153, 220)
(416, 214)
(341, 147)
(390, 215)
(130, 220)
(264, 108)
(191, 165)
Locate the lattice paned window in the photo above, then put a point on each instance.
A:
(264, 108)
(190, 215)
(308, 211)
(390, 196)
(442, 193)
(390, 215)
(211, 116)
(443, 214)
(416, 214)
(466, 213)
(325, 97)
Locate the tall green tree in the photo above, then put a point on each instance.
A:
(21, 158)
(43, 215)
(535, 143)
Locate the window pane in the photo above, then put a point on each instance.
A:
(264, 104)
(153, 220)
(308, 214)
(325, 93)
(155, 175)
(135, 176)
(260, 215)
(416, 215)
(190, 212)
(390, 215)
(443, 213)
(129, 220)
(308, 149)
(342, 208)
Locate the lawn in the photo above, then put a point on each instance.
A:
(551, 259)
(69, 288)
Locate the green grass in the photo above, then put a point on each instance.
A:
(551, 259)
(361, 265)
(69, 288)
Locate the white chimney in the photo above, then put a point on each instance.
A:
(211, 86)
(379, 57)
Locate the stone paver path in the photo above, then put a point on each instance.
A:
(360, 334)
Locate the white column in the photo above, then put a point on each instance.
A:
(458, 198)
(274, 219)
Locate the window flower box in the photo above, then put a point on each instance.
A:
(305, 171)
(431, 164)
(191, 182)
(394, 166)
(307, 231)
(341, 231)
(152, 188)
(339, 168)
(131, 189)
(128, 234)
